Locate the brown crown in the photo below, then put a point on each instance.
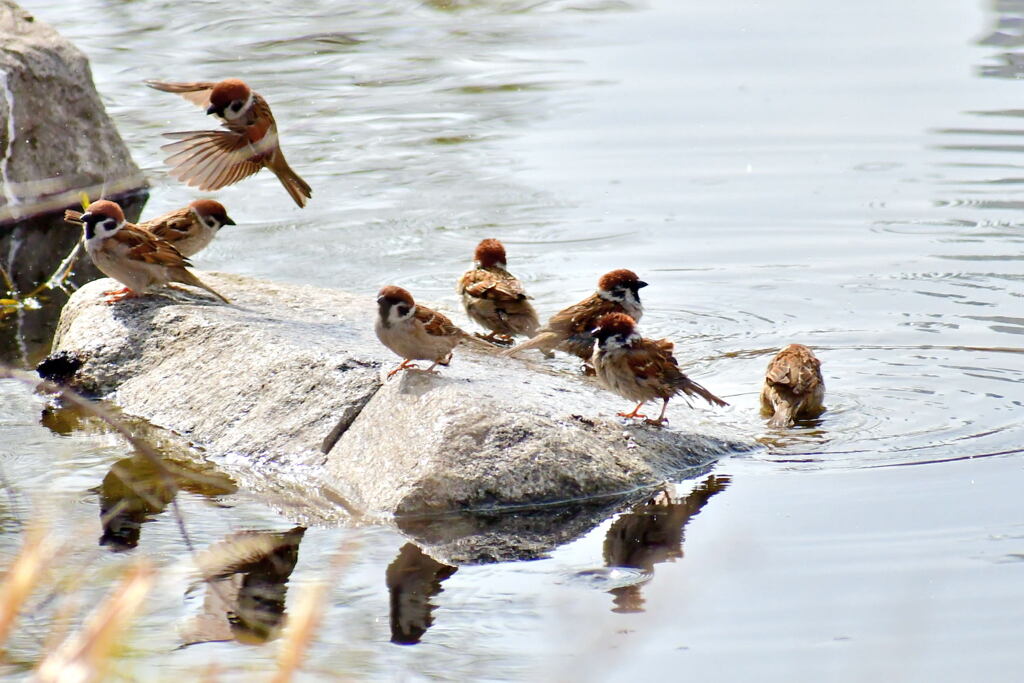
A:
(105, 207)
(489, 252)
(395, 294)
(616, 323)
(209, 207)
(617, 278)
(227, 91)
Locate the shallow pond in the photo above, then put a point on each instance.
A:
(845, 175)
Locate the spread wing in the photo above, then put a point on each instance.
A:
(795, 367)
(148, 248)
(437, 324)
(485, 284)
(197, 93)
(213, 159)
(172, 226)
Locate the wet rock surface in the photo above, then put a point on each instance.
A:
(259, 385)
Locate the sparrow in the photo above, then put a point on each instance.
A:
(212, 159)
(416, 332)
(189, 229)
(570, 329)
(134, 257)
(494, 298)
(640, 369)
(793, 386)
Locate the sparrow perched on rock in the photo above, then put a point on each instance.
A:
(570, 329)
(134, 257)
(640, 369)
(189, 229)
(212, 159)
(416, 332)
(793, 386)
(494, 298)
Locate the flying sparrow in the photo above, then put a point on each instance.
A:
(640, 369)
(793, 386)
(416, 332)
(212, 159)
(189, 229)
(134, 257)
(494, 298)
(569, 330)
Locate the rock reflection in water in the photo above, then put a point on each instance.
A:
(413, 578)
(652, 533)
(247, 584)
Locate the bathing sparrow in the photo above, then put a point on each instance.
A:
(793, 386)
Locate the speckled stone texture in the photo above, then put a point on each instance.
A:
(261, 384)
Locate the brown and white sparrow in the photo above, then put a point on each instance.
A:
(570, 329)
(212, 159)
(640, 369)
(190, 229)
(793, 386)
(136, 258)
(416, 332)
(494, 298)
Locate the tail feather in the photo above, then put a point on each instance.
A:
(691, 388)
(185, 277)
(544, 341)
(783, 416)
(297, 188)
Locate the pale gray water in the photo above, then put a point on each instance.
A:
(845, 175)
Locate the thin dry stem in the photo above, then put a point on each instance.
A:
(83, 656)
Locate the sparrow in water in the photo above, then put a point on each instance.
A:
(137, 259)
(416, 332)
(494, 298)
(188, 229)
(569, 330)
(640, 369)
(212, 159)
(793, 386)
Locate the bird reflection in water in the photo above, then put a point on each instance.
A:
(650, 534)
(247, 581)
(136, 489)
(413, 578)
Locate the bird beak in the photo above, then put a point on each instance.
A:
(228, 221)
(212, 109)
(640, 284)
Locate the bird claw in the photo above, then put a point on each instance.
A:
(115, 295)
(660, 422)
(495, 338)
(632, 415)
(406, 365)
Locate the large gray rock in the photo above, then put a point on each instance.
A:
(56, 139)
(261, 384)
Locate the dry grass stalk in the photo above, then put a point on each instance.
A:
(22, 577)
(83, 656)
(305, 619)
